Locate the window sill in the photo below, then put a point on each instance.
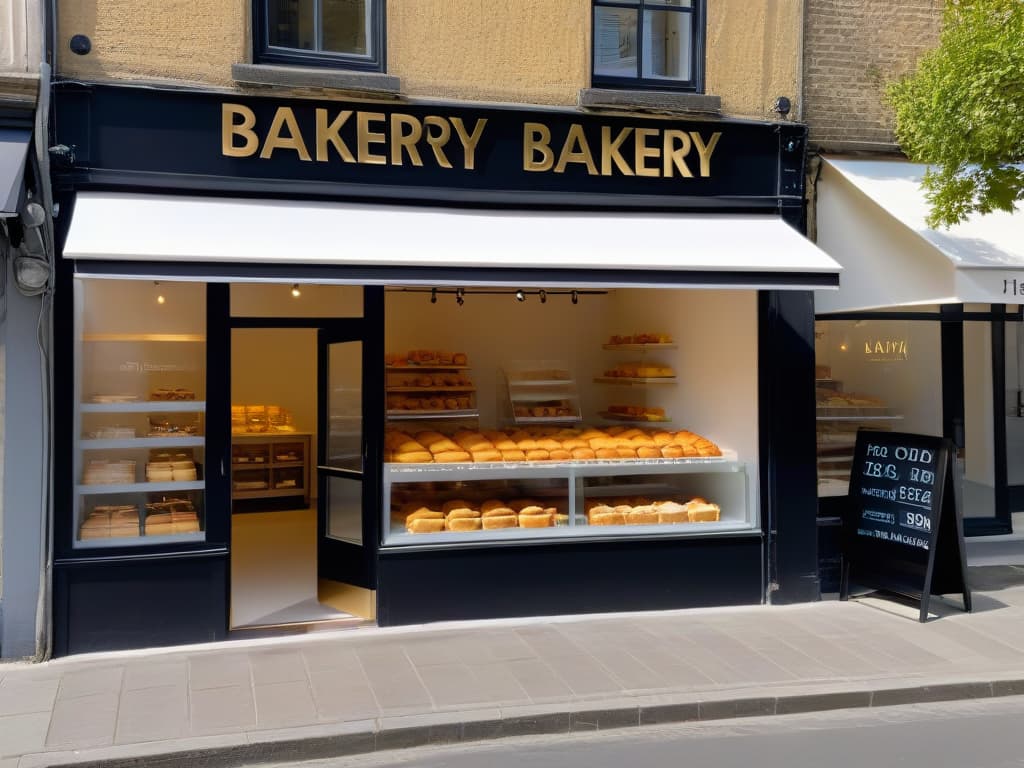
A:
(656, 101)
(364, 83)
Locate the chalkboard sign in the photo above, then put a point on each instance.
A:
(902, 530)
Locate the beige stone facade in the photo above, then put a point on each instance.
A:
(529, 51)
(852, 48)
(20, 50)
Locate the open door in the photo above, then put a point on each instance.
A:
(346, 506)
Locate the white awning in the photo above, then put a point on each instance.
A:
(391, 243)
(871, 219)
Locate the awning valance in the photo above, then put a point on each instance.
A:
(373, 243)
(871, 219)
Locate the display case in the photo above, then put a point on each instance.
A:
(642, 363)
(269, 466)
(464, 503)
(139, 447)
(539, 392)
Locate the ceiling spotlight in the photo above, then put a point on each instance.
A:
(520, 296)
(543, 296)
(575, 297)
(460, 296)
(433, 295)
(159, 296)
(295, 291)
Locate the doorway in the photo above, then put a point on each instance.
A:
(298, 562)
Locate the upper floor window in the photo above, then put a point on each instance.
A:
(656, 44)
(346, 34)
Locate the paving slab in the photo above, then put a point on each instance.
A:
(350, 692)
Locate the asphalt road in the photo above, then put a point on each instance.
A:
(985, 734)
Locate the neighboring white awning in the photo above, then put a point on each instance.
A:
(871, 219)
(13, 150)
(390, 243)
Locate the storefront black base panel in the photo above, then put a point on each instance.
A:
(106, 606)
(569, 578)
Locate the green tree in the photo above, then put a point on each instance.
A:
(962, 111)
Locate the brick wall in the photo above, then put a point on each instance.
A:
(852, 48)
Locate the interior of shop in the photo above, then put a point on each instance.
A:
(549, 368)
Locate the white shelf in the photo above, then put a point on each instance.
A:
(146, 406)
(416, 367)
(469, 413)
(105, 542)
(94, 490)
(541, 382)
(145, 337)
(97, 444)
(634, 419)
(455, 388)
(547, 419)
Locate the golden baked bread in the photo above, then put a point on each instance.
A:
(425, 526)
(487, 455)
(702, 513)
(498, 512)
(648, 453)
(490, 504)
(522, 503)
(606, 453)
(671, 512)
(424, 513)
(560, 454)
(513, 455)
(642, 516)
(607, 518)
(672, 451)
(461, 513)
(460, 358)
(448, 506)
(450, 457)
(417, 457)
(583, 454)
(500, 521)
(531, 509)
(537, 454)
(542, 520)
(463, 524)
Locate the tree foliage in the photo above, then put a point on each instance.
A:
(962, 111)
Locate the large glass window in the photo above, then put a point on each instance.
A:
(338, 33)
(648, 43)
(140, 389)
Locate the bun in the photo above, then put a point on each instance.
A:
(500, 521)
(425, 526)
(463, 524)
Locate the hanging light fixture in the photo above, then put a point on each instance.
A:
(160, 299)
(520, 296)
(460, 296)
(543, 296)
(575, 297)
(433, 295)
(295, 291)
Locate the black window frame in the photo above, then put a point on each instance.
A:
(264, 53)
(698, 16)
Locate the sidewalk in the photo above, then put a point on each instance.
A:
(324, 694)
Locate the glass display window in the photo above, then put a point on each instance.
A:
(140, 379)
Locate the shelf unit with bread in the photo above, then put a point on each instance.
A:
(567, 490)
(837, 426)
(539, 392)
(448, 385)
(631, 411)
(270, 468)
(139, 438)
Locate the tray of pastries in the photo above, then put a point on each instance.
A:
(545, 444)
(640, 370)
(171, 394)
(110, 521)
(170, 516)
(426, 357)
(634, 413)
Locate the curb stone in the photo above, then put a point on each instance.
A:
(345, 739)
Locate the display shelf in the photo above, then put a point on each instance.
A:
(146, 406)
(727, 462)
(97, 444)
(105, 542)
(627, 382)
(411, 415)
(638, 347)
(160, 487)
(548, 419)
(540, 384)
(145, 337)
(857, 418)
(263, 448)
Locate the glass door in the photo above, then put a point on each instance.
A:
(346, 515)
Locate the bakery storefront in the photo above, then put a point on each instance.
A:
(925, 334)
(357, 362)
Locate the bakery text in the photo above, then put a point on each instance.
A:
(399, 139)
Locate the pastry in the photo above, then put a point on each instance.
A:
(538, 454)
(459, 358)
(500, 521)
(448, 506)
(606, 453)
(642, 516)
(671, 512)
(672, 451)
(487, 455)
(583, 454)
(513, 455)
(606, 518)
(425, 526)
(414, 457)
(498, 512)
(424, 513)
(541, 520)
(448, 457)
(491, 504)
(560, 454)
(463, 524)
(702, 513)
(648, 453)
(531, 509)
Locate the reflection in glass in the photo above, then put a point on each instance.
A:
(291, 24)
(345, 26)
(667, 44)
(345, 509)
(345, 406)
(615, 42)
